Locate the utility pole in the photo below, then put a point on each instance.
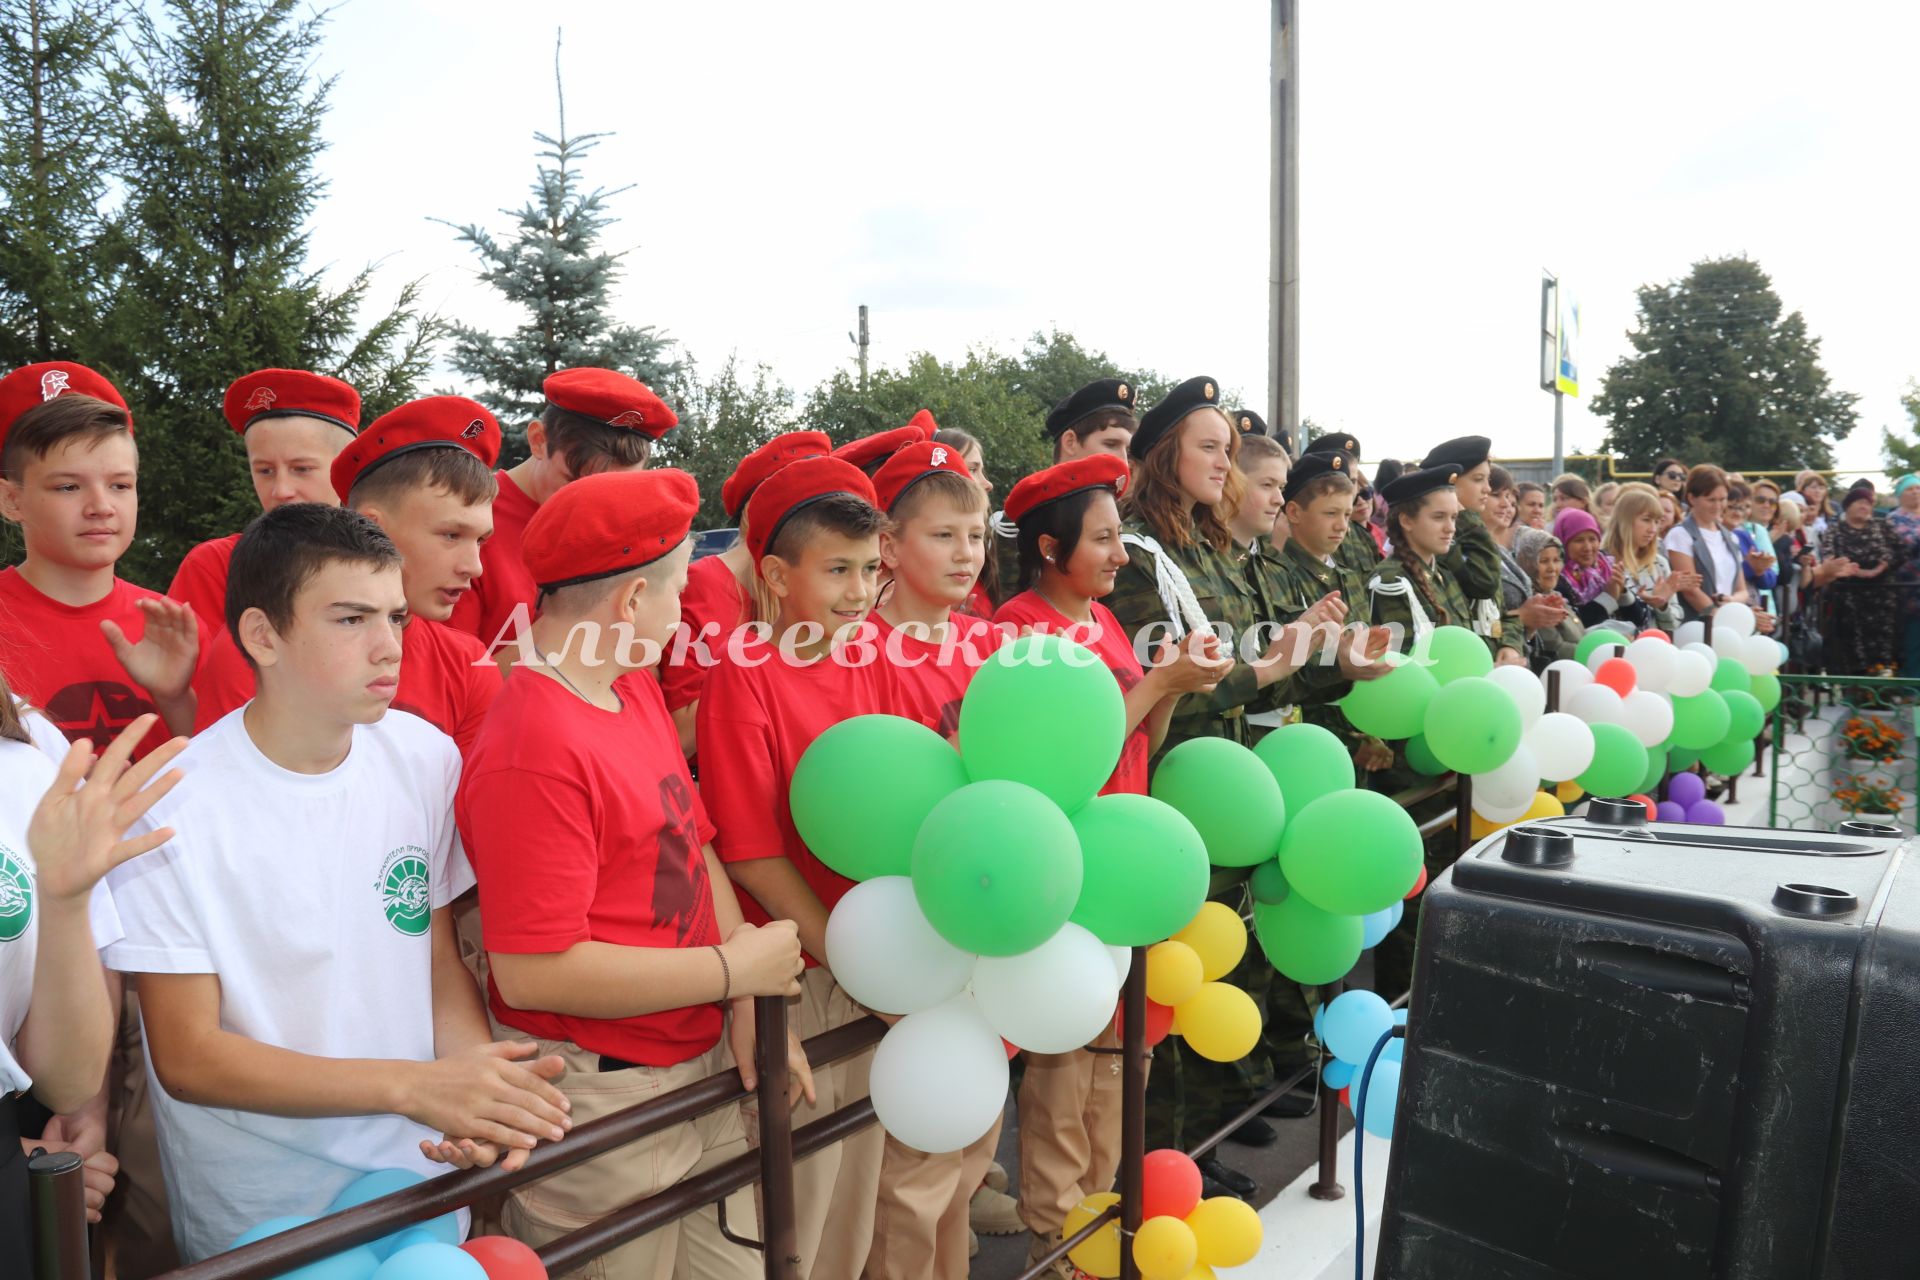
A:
(862, 343)
(1283, 277)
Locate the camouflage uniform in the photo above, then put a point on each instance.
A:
(1474, 562)
(1302, 579)
(1357, 551)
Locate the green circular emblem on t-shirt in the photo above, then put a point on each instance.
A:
(403, 890)
(16, 895)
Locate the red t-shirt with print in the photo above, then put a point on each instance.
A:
(583, 825)
(931, 677)
(504, 583)
(710, 608)
(201, 580)
(447, 679)
(1108, 639)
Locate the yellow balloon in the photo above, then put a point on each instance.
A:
(1174, 973)
(1544, 806)
(1219, 937)
(1201, 1271)
(1227, 1231)
(1568, 792)
(1164, 1248)
(1482, 828)
(1220, 1023)
(1099, 1254)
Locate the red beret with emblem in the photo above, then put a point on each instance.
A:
(789, 446)
(281, 393)
(868, 452)
(35, 384)
(607, 524)
(436, 422)
(795, 487)
(912, 464)
(1095, 471)
(612, 398)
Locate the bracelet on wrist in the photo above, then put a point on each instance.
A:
(726, 975)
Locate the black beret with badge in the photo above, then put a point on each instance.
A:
(1418, 484)
(1194, 393)
(1095, 397)
(1335, 442)
(1315, 465)
(1248, 422)
(1465, 452)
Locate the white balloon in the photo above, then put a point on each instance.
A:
(1690, 633)
(1603, 653)
(1704, 650)
(1122, 963)
(1760, 655)
(1513, 782)
(1735, 617)
(1562, 746)
(1528, 693)
(1691, 674)
(939, 1077)
(884, 952)
(1727, 642)
(1572, 676)
(1647, 716)
(1652, 662)
(1595, 704)
(1498, 812)
(1052, 999)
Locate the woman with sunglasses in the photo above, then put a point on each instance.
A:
(1670, 474)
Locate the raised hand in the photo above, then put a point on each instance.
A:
(489, 1095)
(163, 662)
(78, 832)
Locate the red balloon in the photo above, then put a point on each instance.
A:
(1159, 1022)
(1418, 885)
(1617, 675)
(504, 1258)
(1654, 633)
(1653, 810)
(1345, 1100)
(1011, 1048)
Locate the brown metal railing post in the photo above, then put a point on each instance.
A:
(1553, 691)
(781, 1251)
(57, 1185)
(1133, 1108)
(1326, 1186)
(1462, 815)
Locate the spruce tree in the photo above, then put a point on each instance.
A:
(553, 267)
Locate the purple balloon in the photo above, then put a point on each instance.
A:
(1707, 814)
(1672, 811)
(1686, 789)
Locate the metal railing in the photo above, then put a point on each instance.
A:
(1838, 740)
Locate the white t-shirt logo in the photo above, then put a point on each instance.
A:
(403, 890)
(939, 457)
(16, 895)
(52, 383)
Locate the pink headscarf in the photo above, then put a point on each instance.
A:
(1586, 583)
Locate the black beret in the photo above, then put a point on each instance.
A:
(1108, 393)
(1194, 393)
(1249, 422)
(1465, 452)
(1315, 465)
(1417, 484)
(1334, 442)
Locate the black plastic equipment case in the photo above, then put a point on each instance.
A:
(1640, 1050)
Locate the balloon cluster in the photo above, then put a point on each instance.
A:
(1349, 1026)
(426, 1251)
(1181, 1236)
(1687, 802)
(1185, 993)
(998, 893)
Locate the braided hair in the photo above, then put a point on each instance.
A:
(1410, 559)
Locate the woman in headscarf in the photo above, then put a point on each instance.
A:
(1860, 630)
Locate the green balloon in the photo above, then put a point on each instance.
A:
(1307, 761)
(1595, 640)
(1731, 675)
(1045, 712)
(1305, 943)
(1700, 721)
(875, 836)
(1421, 759)
(1352, 852)
(1681, 759)
(1767, 690)
(1454, 653)
(1269, 883)
(1472, 726)
(1619, 762)
(997, 868)
(1729, 759)
(1145, 870)
(1395, 705)
(1745, 716)
(1229, 797)
(1656, 770)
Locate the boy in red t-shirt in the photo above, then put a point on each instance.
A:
(620, 947)
(293, 424)
(90, 650)
(421, 473)
(813, 534)
(595, 420)
(719, 594)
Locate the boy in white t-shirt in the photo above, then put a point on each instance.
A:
(305, 1005)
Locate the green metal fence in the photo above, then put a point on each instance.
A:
(1843, 747)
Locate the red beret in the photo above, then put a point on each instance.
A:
(797, 485)
(34, 384)
(436, 422)
(869, 450)
(776, 453)
(915, 463)
(609, 523)
(924, 421)
(1095, 471)
(275, 393)
(612, 398)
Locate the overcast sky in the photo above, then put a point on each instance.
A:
(977, 172)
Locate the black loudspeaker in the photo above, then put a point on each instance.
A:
(1646, 1050)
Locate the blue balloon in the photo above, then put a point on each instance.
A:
(1318, 1015)
(357, 1263)
(431, 1262)
(444, 1229)
(425, 1233)
(1338, 1074)
(1354, 1023)
(1383, 1096)
(1400, 1017)
(1379, 924)
(1395, 1051)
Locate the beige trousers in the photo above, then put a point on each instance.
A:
(920, 1227)
(1069, 1132)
